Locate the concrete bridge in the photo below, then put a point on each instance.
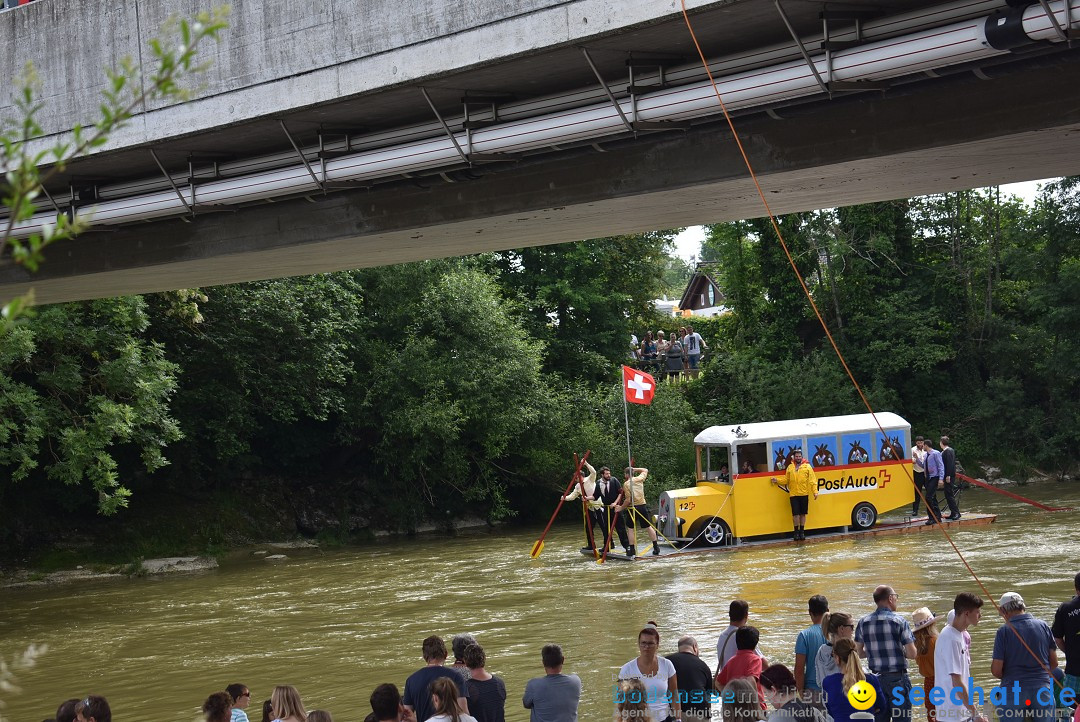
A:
(340, 134)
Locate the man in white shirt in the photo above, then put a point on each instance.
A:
(694, 344)
(952, 664)
(739, 616)
(918, 472)
(595, 512)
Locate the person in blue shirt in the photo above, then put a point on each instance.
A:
(806, 649)
(935, 479)
(1016, 641)
(241, 697)
(835, 687)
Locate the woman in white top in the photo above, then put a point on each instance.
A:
(444, 695)
(657, 674)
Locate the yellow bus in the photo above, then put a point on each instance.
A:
(859, 471)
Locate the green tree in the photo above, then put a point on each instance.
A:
(84, 399)
(266, 355)
(448, 387)
(582, 299)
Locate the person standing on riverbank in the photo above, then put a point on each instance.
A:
(806, 649)
(884, 639)
(386, 705)
(738, 616)
(218, 707)
(287, 705)
(657, 674)
(241, 697)
(555, 696)
(1066, 631)
(837, 686)
(444, 704)
(926, 636)
(94, 708)
(458, 645)
(798, 483)
(918, 472)
(746, 662)
(834, 625)
(695, 681)
(948, 462)
(1016, 641)
(487, 693)
(952, 661)
(416, 697)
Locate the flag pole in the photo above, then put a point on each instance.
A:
(629, 456)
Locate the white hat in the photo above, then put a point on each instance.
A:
(1012, 601)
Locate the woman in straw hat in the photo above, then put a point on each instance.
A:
(922, 624)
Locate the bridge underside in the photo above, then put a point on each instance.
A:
(1019, 122)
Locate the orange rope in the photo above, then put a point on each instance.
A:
(824, 326)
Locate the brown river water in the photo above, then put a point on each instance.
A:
(336, 623)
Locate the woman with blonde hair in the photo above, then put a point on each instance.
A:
(740, 702)
(836, 686)
(444, 700)
(923, 625)
(834, 625)
(630, 705)
(286, 704)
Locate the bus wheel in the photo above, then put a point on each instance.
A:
(716, 533)
(864, 515)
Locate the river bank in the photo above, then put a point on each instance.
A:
(271, 551)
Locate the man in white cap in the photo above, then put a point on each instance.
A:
(1024, 650)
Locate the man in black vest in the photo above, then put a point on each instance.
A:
(609, 491)
(948, 459)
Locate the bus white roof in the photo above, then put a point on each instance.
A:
(793, 428)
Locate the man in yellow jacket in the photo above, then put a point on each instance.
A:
(799, 480)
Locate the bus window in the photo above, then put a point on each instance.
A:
(783, 451)
(855, 448)
(885, 445)
(755, 455)
(718, 463)
(821, 451)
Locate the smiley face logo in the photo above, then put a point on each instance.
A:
(862, 696)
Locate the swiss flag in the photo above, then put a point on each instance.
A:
(638, 386)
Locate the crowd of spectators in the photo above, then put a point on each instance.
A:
(661, 353)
